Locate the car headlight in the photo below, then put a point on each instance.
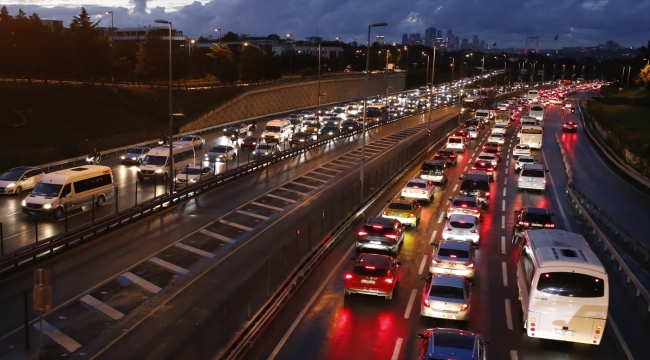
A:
(24, 203)
(138, 169)
(159, 171)
(122, 157)
(11, 185)
(133, 158)
(192, 180)
(47, 206)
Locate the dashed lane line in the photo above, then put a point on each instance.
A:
(504, 191)
(129, 277)
(281, 198)
(503, 221)
(267, 206)
(398, 347)
(194, 250)
(433, 237)
(503, 205)
(504, 273)
(423, 264)
(314, 179)
(166, 264)
(508, 314)
(234, 224)
(216, 236)
(62, 339)
(503, 244)
(455, 187)
(244, 212)
(409, 306)
(102, 307)
(442, 215)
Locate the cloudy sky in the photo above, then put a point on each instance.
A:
(506, 22)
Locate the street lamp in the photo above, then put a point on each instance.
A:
(339, 52)
(241, 59)
(111, 31)
(387, 55)
(170, 174)
(407, 57)
(189, 52)
(219, 30)
(629, 70)
(563, 68)
(482, 68)
(291, 55)
(426, 77)
(453, 66)
(433, 69)
(365, 104)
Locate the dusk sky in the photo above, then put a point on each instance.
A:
(506, 22)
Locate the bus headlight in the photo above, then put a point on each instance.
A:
(122, 157)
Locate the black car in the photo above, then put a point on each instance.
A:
(329, 130)
(482, 165)
(529, 218)
(301, 138)
(381, 234)
(476, 183)
(234, 130)
(350, 125)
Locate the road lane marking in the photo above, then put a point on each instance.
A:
(346, 161)
(422, 264)
(505, 181)
(621, 340)
(244, 212)
(506, 171)
(309, 304)
(503, 244)
(233, 224)
(503, 221)
(433, 237)
(455, 187)
(513, 355)
(409, 306)
(440, 218)
(465, 169)
(398, 346)
(216, 236)
(267, 206)
(504, 273)
(503, 205)
(129, 277)
(313, 178)
(557, 199)
(507, 162)
(62, 339)
(508, 314)
(504, 191)
(101, 307)
(322, 173)
(168, 265)
(194, 250)
(281, 198)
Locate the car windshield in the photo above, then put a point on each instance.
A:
(486, 157)
(265, 147)
(399, 206)
(457, 253)
(449, 292)
(522, 146)
(218, 149)
(416, 185)
(47, 189)
(134, 151)
(496, 136)
(461, 224)
(251, 138)
(191, 171)
(432, 167)
(187, 138)
(525, 160)
(154, 160)
(533, 173)
(12, 175)
(272, 129)
(471, 185)
(455, 140)
(538, 218)
(370, 271)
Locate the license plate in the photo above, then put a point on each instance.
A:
(376, 242)
(367, 281)
(443, 315)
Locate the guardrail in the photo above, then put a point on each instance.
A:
(577, 198)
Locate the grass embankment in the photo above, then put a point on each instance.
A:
(71, 116)
(626, 115)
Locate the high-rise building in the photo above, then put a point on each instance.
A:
(415, 39)
(450, 33)
(439, 34)
(405, 39)
(429, 36)
(482, 45)
(475, 42)
(381, 40)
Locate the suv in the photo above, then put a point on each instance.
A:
(530, 218)
(456, 143)
(381, 234)
(441, 343)
(533, 176)
(14, 181)
(373, 274)
(476, 183)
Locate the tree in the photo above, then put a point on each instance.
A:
(644, 76)
(230, 36)
(223, 63)
(153, 57)
(91, 50)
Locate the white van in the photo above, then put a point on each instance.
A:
(70, 189)
(156, 163)
(482, 114)
(533, 176)
(277, 131)
(533, 96)
(456, 143)
(537, 111)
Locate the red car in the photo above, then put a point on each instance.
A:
(373, 274)
(463, 133)
(570, 126)
(252, 142)
(449, 156)
(486, 166)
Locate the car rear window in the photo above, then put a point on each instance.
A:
(486, 157)
(467, 203)
(455, 141)
(463, 254)
(431, 167)
(538, 218)
(471, 185)
(218, 150)
(416, 185)
(377, 230)
(399, 206)
(571, 284)
(449, 292)
(368, 271)
(532, 173)
(453, 341)
(461, 224)
(524, 160)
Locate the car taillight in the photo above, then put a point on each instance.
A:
(549, 225)
(524, 223)
(473, 231)
(388, 281)
(487, 193)
(362, 233)
(426, 303)
(464, 307)
(411, 215)
(475, 211)
(520, 179)
(470, 265)
(434, 261)
(473, 167)
(491, 169)
(385, 212)
(377, 227)
(391, 236)
(464, 205)
(348, 276)
(544, 181)
(448, 228)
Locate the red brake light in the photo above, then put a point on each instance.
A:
(473, 167)
(464, 307)
(389, 280)
(391, 236)
(452, 255)
(524, 223)
(426, 303)
(549, 225)
(470, 265)
(487, 193)
(473, 231)
(370, 267)
(363, 233)
(377, 227)
(464, 205)
(348, 276)
(448, 228)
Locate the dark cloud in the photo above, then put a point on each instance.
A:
(507, 22)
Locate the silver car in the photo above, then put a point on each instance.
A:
(221, 153)
(522, 161)
(14, 181)
(462, 227)
(135, 155)
(193, 174)
(263, 151)
(453, 257)
(446, 297)
(489, 157)
(521, 150)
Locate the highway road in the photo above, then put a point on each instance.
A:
(323, 322)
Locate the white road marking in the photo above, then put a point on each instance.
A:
(330, 169)
(346, 161)
(504, 273)
(313, 178)
(62, 339)
(557, 199)
(423, 264)
(504, 191)
(455, 187)
(299, 184)
(168, 265)
(216, 236)
(503, 244)
(239, 226)
(281, 198)
(433, 237)
(398, 346)
(267, 206)
(321, 173)
(442, 215)
(465, 169)
(506, 171)
(505, 181)
(513, 355)
(508, 314)
(130, 277)
(503, 205)
(621, 340)
(194, 250)
(507, 162)
(409, 306)
(101, 307)
(244, 212)
(309, 304)
(503, 222)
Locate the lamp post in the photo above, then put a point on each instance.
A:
(219, 30)
(563, 68)
(553, 79)
(111, 30)
(319, 68)
(629, 70)
(387, 55)
(453, 66)
(241, 59)
(387, 87)
(340, 52)
(170, 175)
(189, 56)
(291, 55)
(433, 70)
(482, 68)
(365, 104)
(426, 77)
(407, 57)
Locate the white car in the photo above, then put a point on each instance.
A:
(221, 153)
(135, 155)
(462, 227)
(497, 138)
(15, 180)
(193, 174)
(499, 129)
(456, 143)
(521, 150)
(503, 106)
(195, 140)
(492, 158)
(419, 189)
(524, 159)
(473, 133)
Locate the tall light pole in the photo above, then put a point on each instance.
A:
(170, 175)
(407, 57)
(319, 69)
(111, 30)
(219, 30)
(189, 55)
(387, 55)
(623, 75)
(433, 70)
(553, 79)
(482, 68)
(291, 54)
(453, 67)
(426, 77)
(241, 59)
(629, 70)
(563, 68)
(340, 52)
(365, 104)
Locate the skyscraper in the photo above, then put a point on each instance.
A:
(439, 34)
(429, 36)
(475, 42)
(381, 40)
(405, 39)
(450, 33)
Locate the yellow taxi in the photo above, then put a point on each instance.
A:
(406, 211)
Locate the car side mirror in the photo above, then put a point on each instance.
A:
(486, 342)
(516, 239)
(547, 170)
(398, 263)
(421, 336)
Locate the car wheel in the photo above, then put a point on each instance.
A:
(100, 200)
(201, 146)
(59, 213)
(18, 190)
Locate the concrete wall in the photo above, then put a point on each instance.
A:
(284, 98)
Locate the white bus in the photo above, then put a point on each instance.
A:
(376, 113)
(563, 287)
(70, 189)
(156, 163)
(531, 135)
(533, 96)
